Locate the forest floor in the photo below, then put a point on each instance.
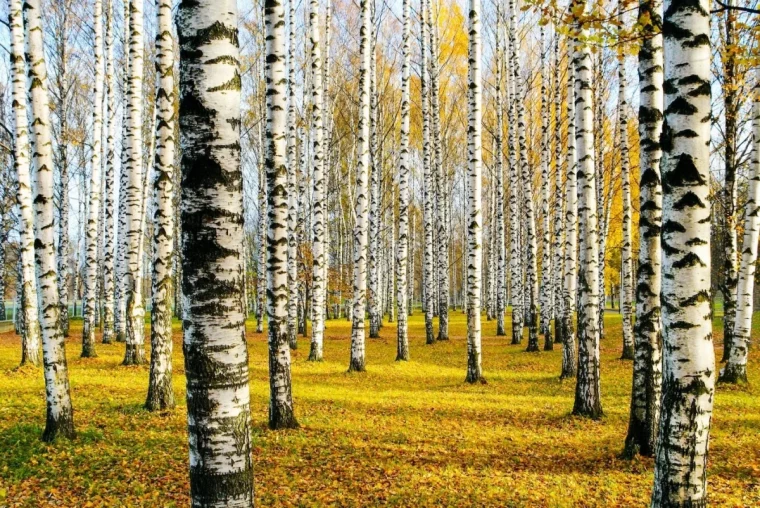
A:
(404, 434)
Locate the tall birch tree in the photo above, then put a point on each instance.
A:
(30, 339)
(109, 226)
(680, 477)
(60, 414)
(91, 240)
(216, 355)
(319, 285)
(402, 338)
(160, 391)
(735, 370)
(474, 188)
(360, 227)
(570, 272)
(280, 398)
(587, 389)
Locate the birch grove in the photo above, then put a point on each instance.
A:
(446, 174)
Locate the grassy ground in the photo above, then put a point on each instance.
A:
(400, 434)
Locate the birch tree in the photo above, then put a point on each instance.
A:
(500, 256)
(587, 389)
(360, 227)
(546, 240)
(91, 241)
(135, 312)
(440, 178)
(402, 339)
(647, 363)
(474, 213)
(160, 391)
(427, 185)
(280, 398)
(735, 370)
(319, 290)
(109, 226)
(30, 339)
(688, 358)
(216, 356)
(60, 414)
(375, 169)
(626, 273)
(515, 259)
(292, 190)
(570, 272)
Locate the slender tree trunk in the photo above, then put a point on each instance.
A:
(30, 338)
(280, 399)
(475, 216)
(531, 276)
(427, 186)
(626, 273)
(558, 274)
(292, 184)
(375, 169)
(261, 278)
(402, 339)
(735, 370)
(515, 258)
(60, 414)
(121, 253)
(319, 291)
(587, 390)
(546, 239)
(109, 226)
(160, 391)
(135, 312)
(360, 228)
(569, 362)
(680, 476)
(731, 108)
(216, 356)
(91, 240)
(500, 255)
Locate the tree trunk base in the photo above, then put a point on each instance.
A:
(733, 374)
(62, 427)
(627, 353)
(134, 356)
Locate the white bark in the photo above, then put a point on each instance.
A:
(109, 226)
(587, 389)
(680, 477)
(30, 341)
(91, 240)
(60, 419)
(474, 213)
(216, 356)
(357, 362)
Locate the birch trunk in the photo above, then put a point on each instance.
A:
(427, 185)
(559, 204)
(292, 189)
(261, 277)
(319, 291)
(515, 259)
(500, 255)
(109, 226)
(30, 337)
(569, 362)
(60, 414)
(216, 356)
(647, 338)
(135, 312)
(735, 370)
(375, 316)
(474, 213)
(360, 227)
(160, 391)
(402, 339)
(587, 389)
(680, 477)
(91, 240)
(280, 398)
(546, 240)
(626, 272)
